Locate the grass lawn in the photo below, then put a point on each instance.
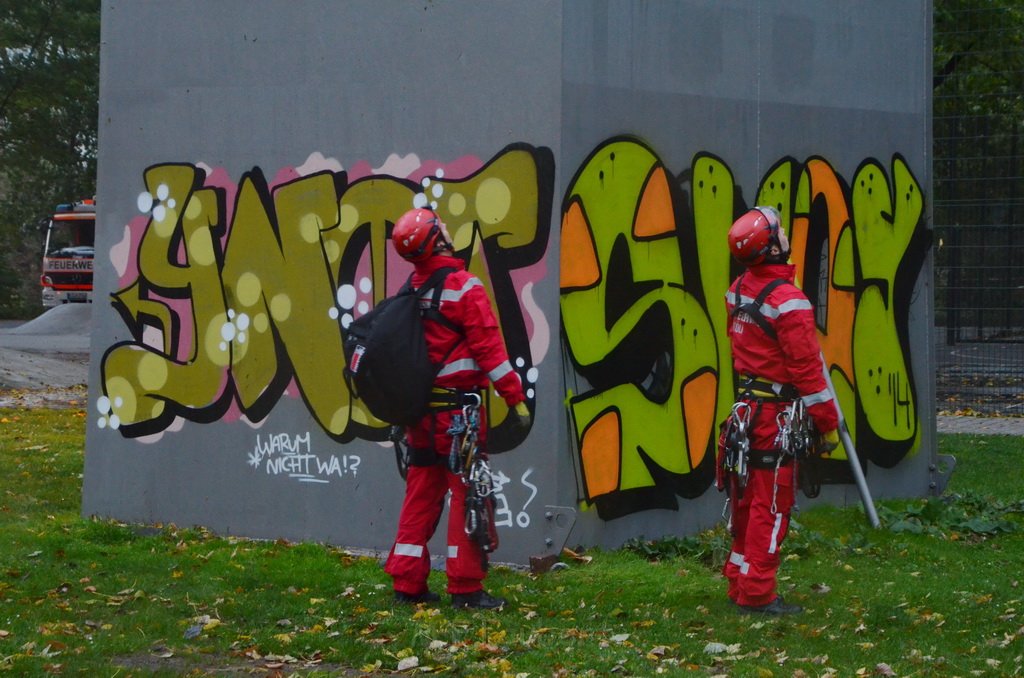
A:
(937, 592)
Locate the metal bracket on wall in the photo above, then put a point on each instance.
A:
(558, 523)
(940, 473)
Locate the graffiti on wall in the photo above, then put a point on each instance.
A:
(644, 270)
(293, 456)
(237, 294)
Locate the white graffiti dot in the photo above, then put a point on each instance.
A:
(162, 191)
(365, 285)
(172, 203)
(118, 402)
(532, 374)
(425, 181)
(115, 422)
(332, 313)
(433, 205)
(439, 173)
(102, 422)
(144, 202)
(103, 404)
(437, 190)
(223, 346)
(346, 296)
(242, 323)
(227, 331)
(419, 200)
(523, 519)
(159, 212)
(241, 337)
(520, 362)
(529, 393)
(231, 313)
(363, 307)
(346, 320)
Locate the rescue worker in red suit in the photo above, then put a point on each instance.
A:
(774, 365)
(471, 358)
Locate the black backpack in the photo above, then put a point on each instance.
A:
(386, 353)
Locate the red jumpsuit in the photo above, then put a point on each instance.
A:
(478, 357)
(760, 519)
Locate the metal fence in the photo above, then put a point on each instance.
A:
(978, 193)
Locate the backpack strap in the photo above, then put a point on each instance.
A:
(435, 283)
(753, 308)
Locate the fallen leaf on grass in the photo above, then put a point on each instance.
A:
(408, 663)
(569, 553)
(52, 649)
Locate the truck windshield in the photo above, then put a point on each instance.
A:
(70, 238)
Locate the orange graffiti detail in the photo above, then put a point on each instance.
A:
(578, 258)
(698, 396)
(823, 184)
(600, 454)
(655, 216)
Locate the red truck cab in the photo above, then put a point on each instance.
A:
(68, 254)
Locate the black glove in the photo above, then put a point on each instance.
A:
(520, 416)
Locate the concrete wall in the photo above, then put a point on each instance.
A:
(588, 157)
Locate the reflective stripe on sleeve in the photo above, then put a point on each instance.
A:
(500, 371)
(794, 305)
(817, 398)
(456, 295)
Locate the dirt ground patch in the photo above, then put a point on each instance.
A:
(48, 397)
(55, 380)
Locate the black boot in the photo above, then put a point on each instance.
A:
(478, 599)
(427, 596)
(777, 607)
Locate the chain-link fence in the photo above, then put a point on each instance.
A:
(978, 190)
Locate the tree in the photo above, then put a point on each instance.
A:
(49, 109)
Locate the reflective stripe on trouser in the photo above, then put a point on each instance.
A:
(409, 560)
(757, 536)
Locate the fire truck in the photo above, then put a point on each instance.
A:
(68, 254)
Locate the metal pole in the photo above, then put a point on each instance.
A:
(851, 452)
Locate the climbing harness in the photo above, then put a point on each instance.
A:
(465, 461)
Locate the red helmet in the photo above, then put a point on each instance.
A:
(752, 235)
(416, 233)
